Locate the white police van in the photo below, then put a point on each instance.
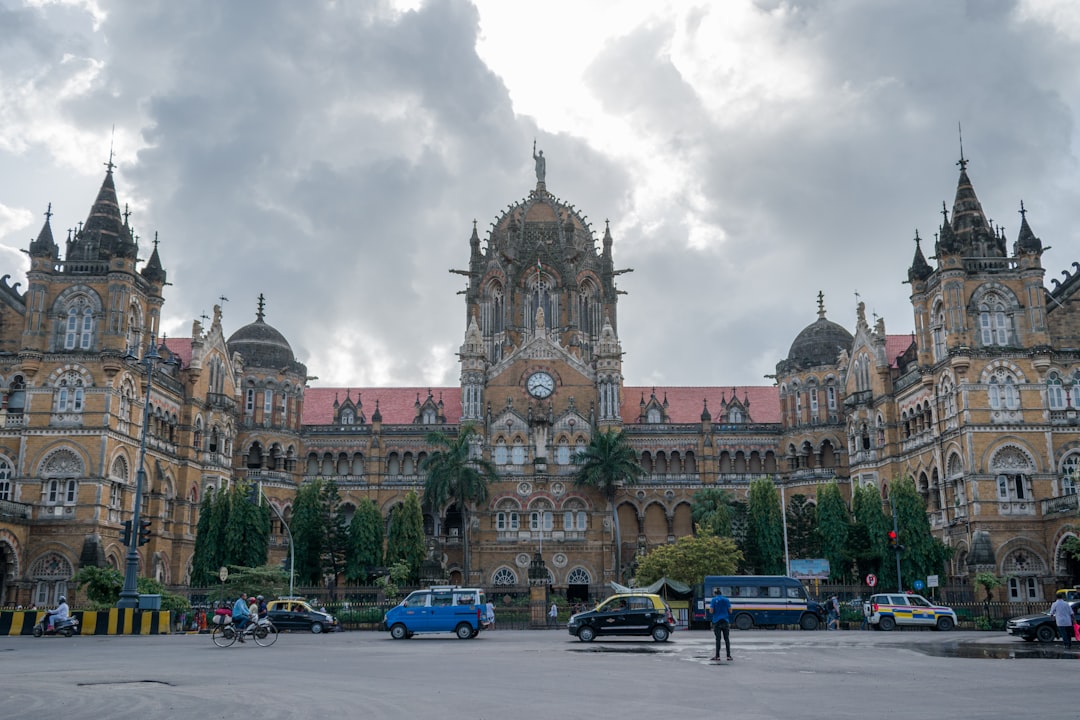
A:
(442, 608)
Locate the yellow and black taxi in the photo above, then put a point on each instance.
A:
(887, 611)
(296, 614)
(625, 614)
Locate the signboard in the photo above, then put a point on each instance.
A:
(871, 580)
(918, 585)
(813, 569)
(223, 573)
(931, 581)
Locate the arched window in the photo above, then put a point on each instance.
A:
(562, 452)
(993, 321)
(578, 576)
(6, 491)
(504, 576)
(1003, 393)
(937, 328)
(1070, 476)
(50, 574)
(500, 451)
(347, 417)
(79, 327)
(518, 452)
(1055, 392)
(69, 393)
(1013, 474)
(653, 416)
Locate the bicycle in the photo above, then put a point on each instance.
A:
(262, 632)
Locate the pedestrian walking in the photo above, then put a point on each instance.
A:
(553, 614)
(833, 605)
(720, 616)
(1063, 617)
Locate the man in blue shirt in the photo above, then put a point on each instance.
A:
(720, 615)
(240, 615)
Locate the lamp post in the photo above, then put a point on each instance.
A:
(292, 557)
(129, 596)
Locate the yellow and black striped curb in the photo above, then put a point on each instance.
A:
(104, 622)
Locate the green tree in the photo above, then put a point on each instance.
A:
(711, 509)
(802, 525)
(923, 553)
(607, 463)
(247, 528)
(208, 543)
(834, 529)
(689, 560)
(405, 541)
(308, 533)
(765, 531)
(1071, 547)
(266, 580)
(335, 533)
(103, 585)
(455, 473)
(365, 542)
(867, 542)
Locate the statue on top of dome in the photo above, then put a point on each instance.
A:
(541, 164)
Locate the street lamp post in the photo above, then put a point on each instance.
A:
(129, 596)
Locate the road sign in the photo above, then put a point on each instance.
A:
(223, 573)
(918, 584)
(931, 581)
(871, 580)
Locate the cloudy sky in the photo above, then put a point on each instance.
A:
(333, 155)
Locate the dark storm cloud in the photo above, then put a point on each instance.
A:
(334, 155)
(826, 191)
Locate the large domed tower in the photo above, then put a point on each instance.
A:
(541, 363)
(811, 381)
(272, 399)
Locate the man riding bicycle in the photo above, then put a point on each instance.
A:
(240, 615)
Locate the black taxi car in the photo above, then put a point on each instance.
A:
(1041, 626)
(625, 614)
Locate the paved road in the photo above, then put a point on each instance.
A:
(537, 674)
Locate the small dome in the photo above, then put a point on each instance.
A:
(261, 345)
(819, 344)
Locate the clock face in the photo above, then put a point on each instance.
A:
(540, 385)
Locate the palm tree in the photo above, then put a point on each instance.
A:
(453, 474)
(607, 463)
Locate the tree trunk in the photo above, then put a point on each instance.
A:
(465, 542)
(618, 541)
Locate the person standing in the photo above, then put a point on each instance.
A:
(1063, 617)
(834, 614)
(720, 616)
(553, 613)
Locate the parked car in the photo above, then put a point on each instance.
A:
(886, 611)
(442, 608)
(625, 614)
(298, 615)
(1041, 626)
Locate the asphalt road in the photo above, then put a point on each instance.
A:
(539, 674)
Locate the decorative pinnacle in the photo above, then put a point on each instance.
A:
(1023, 210)
(48, 211)
(259, 314)
(821, 305)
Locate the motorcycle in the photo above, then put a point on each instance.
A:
(67, 627)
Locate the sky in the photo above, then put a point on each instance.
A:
(333, 155)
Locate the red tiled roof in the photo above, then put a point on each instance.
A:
(181, 348)
(895, 346)
(686, 403)
(396, 405)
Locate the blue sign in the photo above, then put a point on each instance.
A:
(918, 584)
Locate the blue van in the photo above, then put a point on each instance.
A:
(443, 608)
(762, 600)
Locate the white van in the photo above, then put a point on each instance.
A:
(442, 608)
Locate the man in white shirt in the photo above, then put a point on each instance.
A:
(59, 614)
(1063, 617)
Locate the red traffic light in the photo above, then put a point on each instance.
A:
(892, 535)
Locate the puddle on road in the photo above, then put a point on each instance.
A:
(999, 652)
(639, 649)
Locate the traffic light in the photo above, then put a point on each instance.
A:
(892, 540)
(252, 493)
(144, 532)
(125, 533)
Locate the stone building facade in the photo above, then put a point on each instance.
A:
(979, 405)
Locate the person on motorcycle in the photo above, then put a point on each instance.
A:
(262, 607)
(58, 615)
(240, 614)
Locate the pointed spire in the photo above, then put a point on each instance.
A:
(1026, 242)
(920, 269)
(706, 416)
(973, 233)
(44, 245)
(376, 416)
(260, 311)
(105, 233)
(947, 242)
(153, 270)
(821, 305)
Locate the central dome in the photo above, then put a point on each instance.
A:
(261, 345)
(819, 344)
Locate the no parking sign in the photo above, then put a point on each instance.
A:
(871, 580)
